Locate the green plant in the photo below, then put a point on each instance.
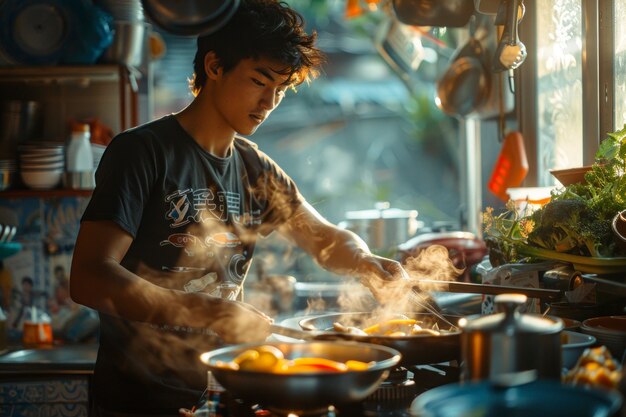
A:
(576, 220)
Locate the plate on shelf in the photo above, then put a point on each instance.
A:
(584, 264)
(35, 31)
(9, 248)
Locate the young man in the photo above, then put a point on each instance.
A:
(168, 236)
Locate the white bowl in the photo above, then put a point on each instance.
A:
(41, 180)
(43, 167)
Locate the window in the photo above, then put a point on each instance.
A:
(573, 84)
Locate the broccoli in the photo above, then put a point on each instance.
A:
(570, 225)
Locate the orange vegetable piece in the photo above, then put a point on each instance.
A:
(389, 326)
(358, 365)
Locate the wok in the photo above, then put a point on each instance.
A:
(420, 349)
(305, 391)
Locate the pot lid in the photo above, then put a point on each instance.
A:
(509, 320)
(381, 210)
(538, 398)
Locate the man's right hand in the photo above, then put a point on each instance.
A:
(238, 322)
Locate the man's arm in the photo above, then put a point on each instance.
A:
(337, 250)
(99, 281)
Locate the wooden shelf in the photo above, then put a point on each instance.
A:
(53, 193)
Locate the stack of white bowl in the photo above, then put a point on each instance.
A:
(41, 164)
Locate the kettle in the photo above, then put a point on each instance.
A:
(510, 342)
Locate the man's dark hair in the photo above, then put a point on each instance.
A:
(261, 29)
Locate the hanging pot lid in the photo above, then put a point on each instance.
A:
(190, 17)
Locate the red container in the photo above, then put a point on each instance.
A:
(511, 166)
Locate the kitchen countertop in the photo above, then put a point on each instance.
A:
(65, 359)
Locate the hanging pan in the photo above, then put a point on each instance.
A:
(466, 84)
(190, 17)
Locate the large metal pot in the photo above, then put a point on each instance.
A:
(382, 227)
(509, 342)
(305, 391)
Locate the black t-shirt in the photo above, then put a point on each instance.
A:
(194, 218)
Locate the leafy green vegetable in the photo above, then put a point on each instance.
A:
(576, 220)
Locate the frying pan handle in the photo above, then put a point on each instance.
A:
(467, 287)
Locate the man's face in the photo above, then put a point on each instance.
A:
(247, 94)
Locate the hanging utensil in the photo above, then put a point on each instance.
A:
(466, 85)
(511, 52)
(512, 164)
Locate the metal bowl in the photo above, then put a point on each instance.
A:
(305, 391)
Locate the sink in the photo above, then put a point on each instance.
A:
(67, 357)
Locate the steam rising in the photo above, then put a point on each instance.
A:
(401, 296)
(198, 258)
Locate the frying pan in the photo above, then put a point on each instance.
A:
(305, 391)
(465, 86)
(420, 349)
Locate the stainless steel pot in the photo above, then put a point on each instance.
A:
(382, 227)
(19, 121)
(128, 43)
(509, 342)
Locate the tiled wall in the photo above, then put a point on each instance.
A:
(47, 230)
(45, 397)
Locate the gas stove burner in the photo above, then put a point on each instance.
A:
(398, 386)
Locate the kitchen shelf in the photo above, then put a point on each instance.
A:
(107, 92)
(77, 74)
(53, 193)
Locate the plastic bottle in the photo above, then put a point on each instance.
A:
(37, 330)
(79, 158)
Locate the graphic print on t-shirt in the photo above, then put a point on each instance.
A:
(201, 205)
(215, 213)
(187, 241)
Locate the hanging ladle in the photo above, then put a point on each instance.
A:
(511, 52)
